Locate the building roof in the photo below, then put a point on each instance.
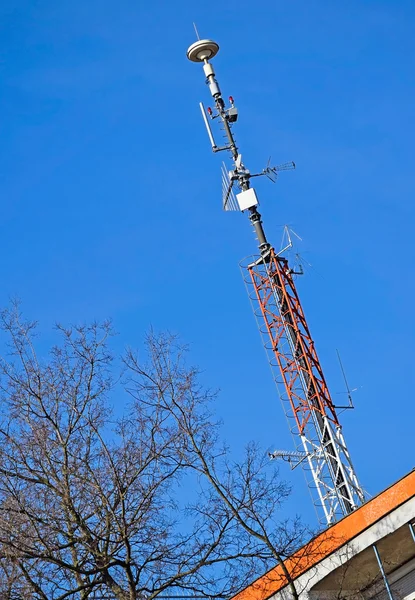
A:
(330, 540)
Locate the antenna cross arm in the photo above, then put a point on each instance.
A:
(220, 148)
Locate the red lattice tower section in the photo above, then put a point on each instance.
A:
(303, 388)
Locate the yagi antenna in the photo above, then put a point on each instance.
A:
(272, 172)
(295, 457)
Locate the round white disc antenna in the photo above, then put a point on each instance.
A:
(202, 50)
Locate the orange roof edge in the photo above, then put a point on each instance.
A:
(331, 539)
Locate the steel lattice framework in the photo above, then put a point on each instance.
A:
(320, 446)
(306, 397)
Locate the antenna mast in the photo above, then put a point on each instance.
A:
(320, 445)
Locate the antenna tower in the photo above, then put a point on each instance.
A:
(320, 445)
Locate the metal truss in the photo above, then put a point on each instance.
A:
(306, 399)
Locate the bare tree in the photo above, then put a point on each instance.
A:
(132, 502)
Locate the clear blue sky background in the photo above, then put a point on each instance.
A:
(111, 198)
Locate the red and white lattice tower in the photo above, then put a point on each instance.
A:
(320, 445)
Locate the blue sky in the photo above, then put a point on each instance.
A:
(111, 197)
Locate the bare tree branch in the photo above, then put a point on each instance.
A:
(92, 502)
